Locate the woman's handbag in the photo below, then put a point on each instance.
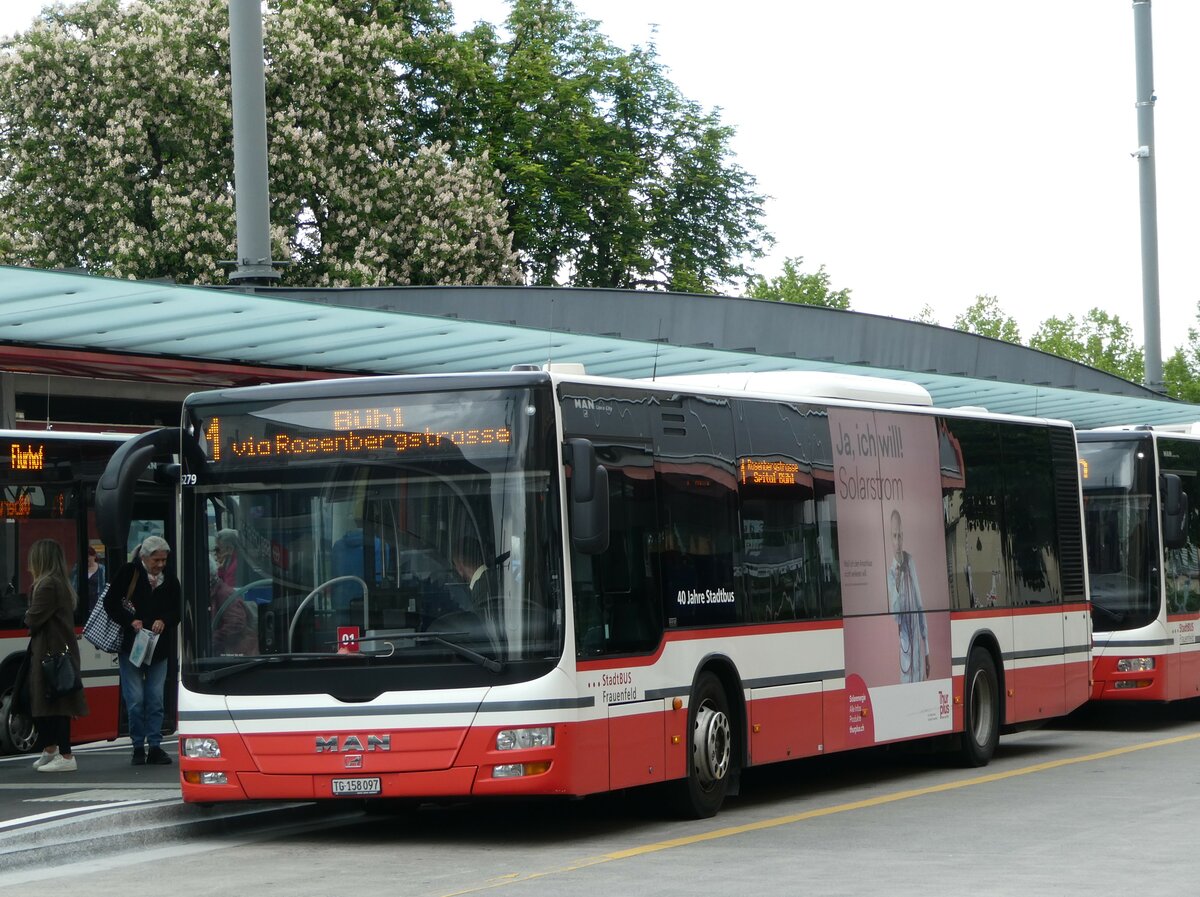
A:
(59, 675)
(102, 630)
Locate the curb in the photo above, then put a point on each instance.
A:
(131, 829)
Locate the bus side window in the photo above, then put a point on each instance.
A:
(695, 474)
(976, 545)
(787, 555)
(1029, 515)
(12, 602)
(1183, 564)
(616, 592)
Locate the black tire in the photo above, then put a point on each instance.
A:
(711, 753)
(18, 734)
(981, 709)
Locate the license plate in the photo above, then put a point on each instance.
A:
(356, 787)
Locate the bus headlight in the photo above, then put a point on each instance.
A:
(201, 748)
(516, 739)
(1135, 664)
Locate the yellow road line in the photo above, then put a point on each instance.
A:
(793, 818)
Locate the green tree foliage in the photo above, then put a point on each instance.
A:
(367, 191)
(1181, 371)
(1181, 374)
(794, 286)
(1097, 339)
(613, 178)
(116, 147)
(927, 315)
(400, 152)
(985, 318)
(111, 121)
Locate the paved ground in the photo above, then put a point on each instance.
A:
(105, 780)
(108, 806)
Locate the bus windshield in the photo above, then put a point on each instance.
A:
(392, 531)
(1120, 520)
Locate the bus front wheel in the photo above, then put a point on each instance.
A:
(981, 709)
(710, 751)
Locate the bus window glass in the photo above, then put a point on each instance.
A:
(417, 530)
(788, 555)
(697, 491)
(1118, 502)
(972, 490)
(1182, 458)
(1030, 515)
(617, 594)
(27, 514)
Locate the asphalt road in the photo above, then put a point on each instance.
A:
(1104, 802)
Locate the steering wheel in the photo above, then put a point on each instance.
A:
(311, 595)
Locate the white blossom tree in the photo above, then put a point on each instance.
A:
(116, 145)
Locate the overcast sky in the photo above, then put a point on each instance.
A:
(932, 152)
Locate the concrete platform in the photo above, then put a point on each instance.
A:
(104, 780)
(109, 806)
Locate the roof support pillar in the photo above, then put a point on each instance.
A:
(8, 402)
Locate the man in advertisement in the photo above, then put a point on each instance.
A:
(904, 602)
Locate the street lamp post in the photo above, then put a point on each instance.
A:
(1146, 191)
(252, 201)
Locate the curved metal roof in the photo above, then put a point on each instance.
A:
(75, 311)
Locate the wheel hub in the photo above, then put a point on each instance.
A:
(710, 745)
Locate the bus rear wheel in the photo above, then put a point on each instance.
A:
(710, 747)
(18, 735)
(981, 709)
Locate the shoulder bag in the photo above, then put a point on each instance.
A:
(59, 675)
(102, 630)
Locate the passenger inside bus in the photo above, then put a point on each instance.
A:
(234, 622)
(227, 551)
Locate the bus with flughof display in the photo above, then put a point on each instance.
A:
(47, 490)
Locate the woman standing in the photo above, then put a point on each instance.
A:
(153, 605)
(51, 621)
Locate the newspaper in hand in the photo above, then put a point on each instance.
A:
(142, 652)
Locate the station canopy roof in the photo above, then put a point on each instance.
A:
(60, 310)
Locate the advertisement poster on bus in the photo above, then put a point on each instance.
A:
(895, 597)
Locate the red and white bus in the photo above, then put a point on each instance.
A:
(1141, 492)
(47, 488)
(541, 582)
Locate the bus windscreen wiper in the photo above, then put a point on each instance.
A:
(461, 650)
(440, 638)
(1113, 615)
(216, 675)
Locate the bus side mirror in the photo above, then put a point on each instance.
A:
(588, 497)
(1174, 511)
(117, 485)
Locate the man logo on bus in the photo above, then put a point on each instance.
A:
(330, 745)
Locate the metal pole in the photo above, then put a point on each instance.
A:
(1146, 192)
(252, 201)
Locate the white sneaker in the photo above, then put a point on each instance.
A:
(59, 764)
(44, 759)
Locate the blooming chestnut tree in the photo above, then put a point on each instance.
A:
(116, 145)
